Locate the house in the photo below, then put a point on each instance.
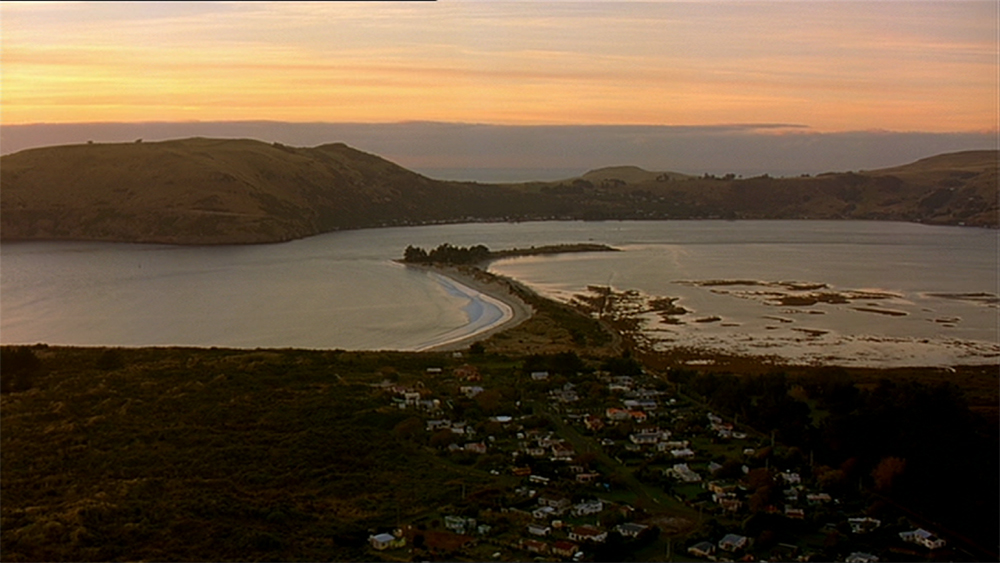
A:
(564, 548)
(539, 375)
(587, 507)
(433, 425)
(682, 453)
(434, 370)
(562, 451)
(470, 391)
(593, 423)
(682, 472)
(793, 512)
(922, 537)
(467, 372)
(730, 503)
(521, 471)
(817, 498)
(861, 557)
(476, 447)
(790, 478)
(543, 512)
(863, 525)
(458, 524)
(535, 546)
(640, 404)
(631, 529)
(561, 504)
(702, 549)
(733, 542)
(539, 530)
(644, 438)
(587, 477)
(638, 416)
(616, 414)
(588, 533)
(386, 541)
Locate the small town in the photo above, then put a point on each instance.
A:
(619, 464)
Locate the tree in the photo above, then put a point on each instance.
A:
(18, 367)
(414, 254)
(886, 471)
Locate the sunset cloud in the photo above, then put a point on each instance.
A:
(836, 66)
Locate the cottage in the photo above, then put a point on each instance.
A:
(386, 541)
(564, 548)
(790, 478)
(476, 447)
(682, 472)
(539, 530)
(863, 525)
(793, 512)
(818, 498)
(645, 438)
(922, 537)
(535, 546)
(588, 533)
(563, 451)
(470, 391)
(559, 503)
(630, 529)
(702, 549)
(593, 423)
(616, 414)
(733, 542)
(468, 372)
(587, 507)
(543, 512)
(458, 524)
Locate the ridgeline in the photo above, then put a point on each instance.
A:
(235, 191)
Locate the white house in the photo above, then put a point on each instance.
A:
(386, 541)
(588, 533)
(587, 507)
(733, 542)
(922, 537)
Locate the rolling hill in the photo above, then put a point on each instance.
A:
(229, 191)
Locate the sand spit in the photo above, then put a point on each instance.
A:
(493, 288)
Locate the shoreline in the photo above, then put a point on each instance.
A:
(490, 288)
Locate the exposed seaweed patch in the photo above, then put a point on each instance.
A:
(888, 312)
(981, 297)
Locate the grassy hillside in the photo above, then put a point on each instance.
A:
(222, 191)
(215, 191)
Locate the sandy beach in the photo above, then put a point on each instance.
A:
(484, 287)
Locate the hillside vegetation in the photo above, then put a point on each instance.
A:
(220, 191)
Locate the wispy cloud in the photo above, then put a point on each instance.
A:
(832, 65)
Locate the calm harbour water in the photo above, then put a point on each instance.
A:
(918, 294)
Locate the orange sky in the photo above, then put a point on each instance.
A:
(831, 66)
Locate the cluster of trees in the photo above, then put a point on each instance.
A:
(447, 254)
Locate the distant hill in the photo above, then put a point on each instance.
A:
(225, 191)
(211, 191)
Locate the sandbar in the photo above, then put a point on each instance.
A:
(483, 289)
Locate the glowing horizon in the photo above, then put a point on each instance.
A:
(828, 66)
